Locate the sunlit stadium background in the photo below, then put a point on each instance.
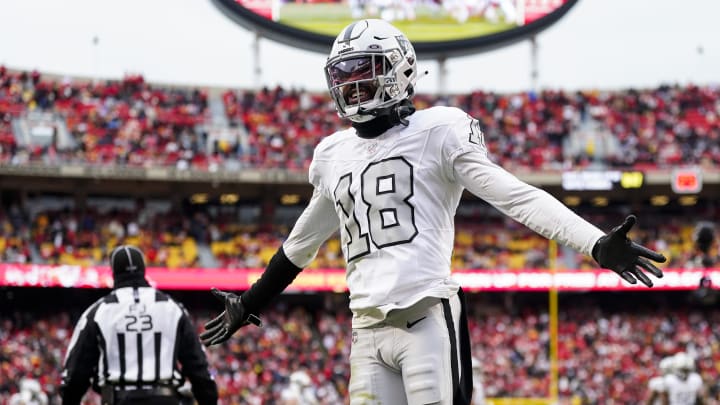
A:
(208, 180)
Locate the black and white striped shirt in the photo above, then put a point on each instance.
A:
(134, 338)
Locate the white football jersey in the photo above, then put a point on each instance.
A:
(298, 396)
(28, 398)
(657, 384)
(478, 392)
(394, 199)
(683, 392)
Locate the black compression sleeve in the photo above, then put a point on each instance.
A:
(279, 274)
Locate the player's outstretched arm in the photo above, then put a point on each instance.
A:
(547, 216)
(240, 309)
(317, 222)
(465, 152)
(615, 251)
(235, 316)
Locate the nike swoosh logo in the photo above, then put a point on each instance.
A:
(380, 38)
(411, 324)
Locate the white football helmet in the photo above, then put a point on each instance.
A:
(683, 363)
(371, 67)
(300, 378)
(30, 385)
(666, 365)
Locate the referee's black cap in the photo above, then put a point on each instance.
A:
(126, 260)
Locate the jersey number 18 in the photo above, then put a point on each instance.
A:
(386, 187)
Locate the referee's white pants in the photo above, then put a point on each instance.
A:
(412, 358)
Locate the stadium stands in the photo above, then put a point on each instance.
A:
(604, 355)
(606, 352)
(642, 128)
(174, 238)
(134, 123)
(127, 122)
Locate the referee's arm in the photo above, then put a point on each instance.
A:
(81, 360)
(194, 363)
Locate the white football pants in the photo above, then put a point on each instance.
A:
(411, 358)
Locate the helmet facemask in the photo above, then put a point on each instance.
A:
(361, 84)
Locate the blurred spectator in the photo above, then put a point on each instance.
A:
(131, 122)
(30, 394)
(605, 354)
(176, 237)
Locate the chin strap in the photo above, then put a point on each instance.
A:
(401, 110)
(385, 119)
(396, 113)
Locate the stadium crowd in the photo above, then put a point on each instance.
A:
(127, 122)
(131, 122)
(176, 237)
(606, 355)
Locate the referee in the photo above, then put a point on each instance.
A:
(128, 344)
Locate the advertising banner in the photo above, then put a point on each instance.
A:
(19, 275)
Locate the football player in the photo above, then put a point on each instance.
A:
(392, 183)
(683, 386)
(478, 395)
(30, 394)
(299, 391)
(656, 385)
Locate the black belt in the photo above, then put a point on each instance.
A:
(144, 393)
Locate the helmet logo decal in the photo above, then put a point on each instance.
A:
(394, 90)
(394, 56)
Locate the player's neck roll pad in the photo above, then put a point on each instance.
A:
(385, 120)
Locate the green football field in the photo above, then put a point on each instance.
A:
(330, 19)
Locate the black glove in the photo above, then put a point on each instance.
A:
(616, 252)
(234, 317)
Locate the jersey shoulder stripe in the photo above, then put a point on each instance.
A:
(92, 309)
(161, 296)
(110, 298)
